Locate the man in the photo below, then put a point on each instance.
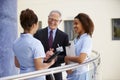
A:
(51, 37)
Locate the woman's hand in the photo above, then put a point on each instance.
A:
(69, 71)
(52, 62)
(67, 61)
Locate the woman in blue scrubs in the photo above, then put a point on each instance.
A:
(84, 27)
(29, 52)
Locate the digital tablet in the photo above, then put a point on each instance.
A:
(58, 51)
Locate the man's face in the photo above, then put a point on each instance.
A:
(53, 20)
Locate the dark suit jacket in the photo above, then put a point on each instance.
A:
(61, 38)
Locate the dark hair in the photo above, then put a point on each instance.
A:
(28, 18)
(86, 22)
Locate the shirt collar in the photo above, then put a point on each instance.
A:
(54, 31)
(26, 34)
(83, 35)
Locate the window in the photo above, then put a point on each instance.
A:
(68, 26)
(116, 29)
(40, 24)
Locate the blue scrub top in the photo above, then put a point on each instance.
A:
(26, 49)
(83, 44)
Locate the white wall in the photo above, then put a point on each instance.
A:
(101, 12)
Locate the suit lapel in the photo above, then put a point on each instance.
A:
(46, 37)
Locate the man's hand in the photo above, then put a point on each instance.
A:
(49, 54)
